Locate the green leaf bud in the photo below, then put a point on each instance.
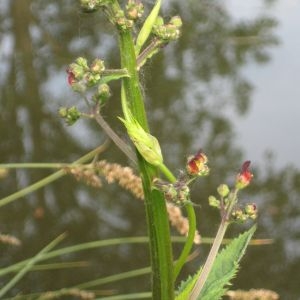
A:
(146, 144)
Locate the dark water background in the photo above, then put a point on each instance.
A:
(230, 85)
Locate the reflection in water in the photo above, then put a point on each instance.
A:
(189, 87)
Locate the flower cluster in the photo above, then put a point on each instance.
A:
(249, 211)
(227, 203)
(167, 32)
(71, 114)
(81, 75)
(134, 9)
(178, 192)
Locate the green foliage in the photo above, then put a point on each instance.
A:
(186, 286)
(224, 269)
(147, 27)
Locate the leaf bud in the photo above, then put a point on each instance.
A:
(146, 144)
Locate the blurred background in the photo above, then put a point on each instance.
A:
(230, 86)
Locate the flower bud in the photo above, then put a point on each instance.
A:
(176, 21)
(97, 66)
(251, 210)
(167, 32)
(239, 215)
(223, 190)
(213, 201)
(243, 179)
(71, 115)
(134, 9)
(82, 62)
(102, 94)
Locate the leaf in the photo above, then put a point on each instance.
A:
(110, 77)
(186, 287)
(147, 27)
(224, 269)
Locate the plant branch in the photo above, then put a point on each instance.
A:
(215, 248)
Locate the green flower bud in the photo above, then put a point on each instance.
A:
(92, 79)
(146, 144)
(223, 190)
(102, 94)
(97, 66)
(167, 32)
(213, 201)
(82, 62)
(239, 216)
(71, 115)
(134, 9)
(251, 210)
(176, 21)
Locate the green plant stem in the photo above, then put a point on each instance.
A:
(39, 184)
(215, 247)
(33, 166)
(156, 212)
(192, 226)
(114, 137)
(169, 175)
(189, 241)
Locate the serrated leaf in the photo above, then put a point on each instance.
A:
(223, 270)
(147, 27)
(186, 286)
(225, 267)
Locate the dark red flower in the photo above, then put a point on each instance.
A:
(245, 176)
(197, 164)
(71, 77)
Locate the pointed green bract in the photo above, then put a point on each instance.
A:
(146, 144)
(147, 27)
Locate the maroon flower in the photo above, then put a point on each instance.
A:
(244, 177)
(196, 165)
(71, 77)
